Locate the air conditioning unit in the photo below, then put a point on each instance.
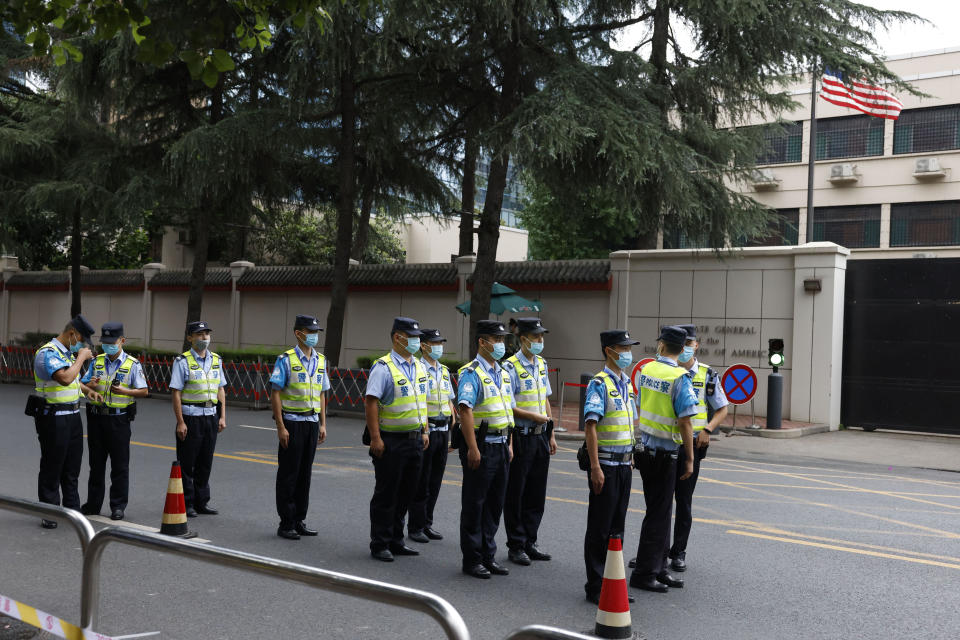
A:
(844, 173)
(928, 169)
(764, 180)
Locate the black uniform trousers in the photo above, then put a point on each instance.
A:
(397, 473)
(108, 436)
(659, 474)
(606, 515)
(195, 453)
(684, 496)
(526, 490)
(61, 452)
(481, 502)
(431, 476)
(294, 471)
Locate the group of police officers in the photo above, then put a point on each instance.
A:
(498, 419)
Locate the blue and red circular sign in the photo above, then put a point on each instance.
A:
(739, 383)
(637, 368)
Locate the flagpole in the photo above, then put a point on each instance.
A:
(812, 151)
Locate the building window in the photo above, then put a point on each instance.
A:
(677, 238)
(849, 137)
(925, 224)
(782, 230)
(921, 130)
(851, 227)
(782, 143)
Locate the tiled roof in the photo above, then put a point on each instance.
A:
(218, 277)
(552, 272)
(39, 279)
(363, 275)
(112, 278)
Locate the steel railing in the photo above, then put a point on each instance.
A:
(53, 512)
(414, 599)
(540, 632)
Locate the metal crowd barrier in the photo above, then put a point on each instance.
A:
(414, 599)
(541, 632)
(79, 522)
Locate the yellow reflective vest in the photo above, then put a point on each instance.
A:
(615, 427)
(656, 415)
(304, 392)
(408, 410)
(493, 408)
(532, 392)
(103, 382)
(201, 386)
(51, 390)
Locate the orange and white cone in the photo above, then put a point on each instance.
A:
(613, 613)
(174, 521)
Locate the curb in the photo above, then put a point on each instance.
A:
(778, 434)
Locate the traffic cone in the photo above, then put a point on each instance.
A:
(613, 613)
(174, 521)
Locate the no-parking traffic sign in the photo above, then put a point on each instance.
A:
(739, 383)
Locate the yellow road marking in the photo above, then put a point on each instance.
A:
(885, 476)
(218, 455)
(834, 547)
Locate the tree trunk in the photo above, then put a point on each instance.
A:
(76, 255)
(359, 247)
(468, 192)
(345, 207)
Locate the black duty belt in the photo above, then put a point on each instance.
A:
(658, 453)
(625, 456)
(53, 407)
(203, 405)
(532, 431)
(106, 411)
(438, 423)
(410, 435)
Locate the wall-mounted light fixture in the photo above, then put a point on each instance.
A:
(812, 285)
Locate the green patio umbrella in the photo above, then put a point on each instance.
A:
(503, 299)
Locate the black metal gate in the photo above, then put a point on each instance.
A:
(901, 345)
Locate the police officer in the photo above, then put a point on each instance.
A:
(533, 444)
(711, 411)
(199, 405)
(609, 415)
(118, 378)
(667, 405)
(56, 375)
(396, 412)
(485, 400)
(299, 381)
(440, 412)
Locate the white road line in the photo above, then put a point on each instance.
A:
(137, 635)
(132, 525)
(250, 426)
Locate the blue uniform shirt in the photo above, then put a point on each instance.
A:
(596, 406)
(719, 399)
(515, 382)
(684, 404)
(281, 374)
(380, 382)
(434, 379)
(48, 361)
(470, 391)
(136, 380)
(180, 373)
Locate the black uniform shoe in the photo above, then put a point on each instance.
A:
(670, 581)
(207, 510)
(679, 564)
(403, 550)
(649, 584)
(48, 524)
(477, 571)
(496, 568)
(633, 563)
(432, 534)
(289, 534)
(419, 536)
(536, 554)
(116, 514)
(595, 598)
(191, 512)
(304, 530)
(383, 555)
(87, 511)
(519, 556)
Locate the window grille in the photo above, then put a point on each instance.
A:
(849, 137)
(922, 130)
(925, 224)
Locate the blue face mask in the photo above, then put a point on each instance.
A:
(536, 348)
(499, 349)
(110, 349)
(686, 356)
(413, 345)
(311, 339)
(625, 359)
(436, 351)
(74, 348)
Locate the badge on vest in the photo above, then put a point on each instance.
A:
(194, 366)
(487, 381)
(614, 394)
(297, 367)
(524, 375)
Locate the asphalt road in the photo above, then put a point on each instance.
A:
(812, 549)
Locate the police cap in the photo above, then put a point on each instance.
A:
(672, 334)
(491, 328)
(197, 326)
(616, 337)
(432, 335)
(531, 325)
(409, 326)
(691, 330)
(83, 327)
(307, 322)
(111, 332)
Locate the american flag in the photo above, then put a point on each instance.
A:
(857, 94)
